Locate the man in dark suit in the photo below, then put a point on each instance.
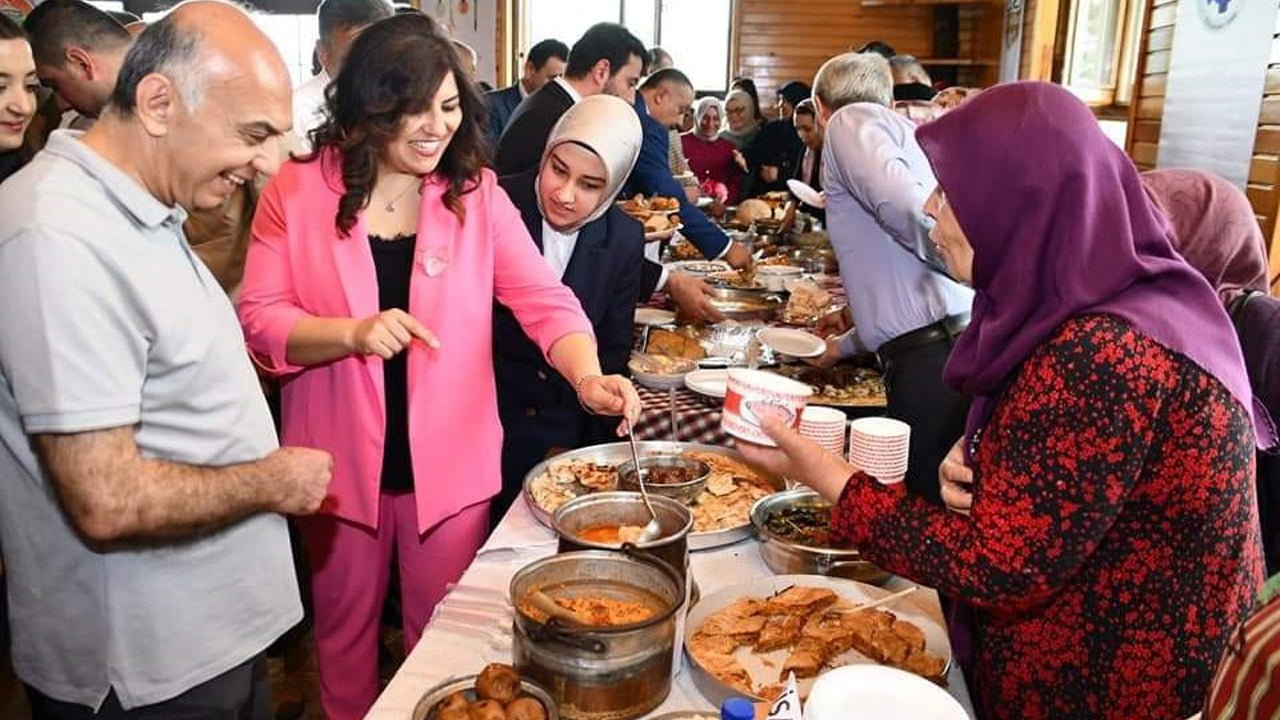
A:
(544, 62)
(607, 59)
(664, 99)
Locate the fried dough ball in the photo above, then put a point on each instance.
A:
(453, 714)
(456, 701)
(486, 710)
(498, 682)
(526, 708)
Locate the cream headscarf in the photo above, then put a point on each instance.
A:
(607, 126)
(704, 106)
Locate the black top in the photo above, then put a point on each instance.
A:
(778, 145)
(393, 262)
(913, 91)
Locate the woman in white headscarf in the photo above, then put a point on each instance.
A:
(567, 204)
(716, 162)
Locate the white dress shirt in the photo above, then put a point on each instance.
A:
(557, 248)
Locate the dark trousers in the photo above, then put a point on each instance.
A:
(936, 414)
(241, 693)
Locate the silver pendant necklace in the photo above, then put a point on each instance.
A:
(391, 205)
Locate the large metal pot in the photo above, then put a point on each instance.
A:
(600, 673)
(626, 508)
(789, 558)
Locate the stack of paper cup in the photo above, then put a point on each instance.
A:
(824, 426)
(879, 447)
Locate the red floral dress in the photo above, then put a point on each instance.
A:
(1113, 543)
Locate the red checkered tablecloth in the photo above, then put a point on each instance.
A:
(697, 418)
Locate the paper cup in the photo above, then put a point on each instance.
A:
(752, 395)
(880, 447)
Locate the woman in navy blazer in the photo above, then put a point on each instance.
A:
(596, 250)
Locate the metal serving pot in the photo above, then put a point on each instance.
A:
(785, 557)
(599, 673)
(626, 508)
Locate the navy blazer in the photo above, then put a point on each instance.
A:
(604, 273)
(521, 144)
(652, 176)
(502, 103)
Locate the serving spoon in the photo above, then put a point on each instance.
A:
(653, 530)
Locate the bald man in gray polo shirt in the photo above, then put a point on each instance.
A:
(140, 479)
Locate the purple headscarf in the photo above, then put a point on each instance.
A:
(1061, 226)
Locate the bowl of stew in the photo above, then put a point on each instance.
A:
(679, 478)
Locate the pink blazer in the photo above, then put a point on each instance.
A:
(298, 267)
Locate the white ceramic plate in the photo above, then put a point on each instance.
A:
(807, 195)
(879, 693)
(699, 267)
(654, 316)
(911, 608)
(796, 343)
(663, 234)
(711, 383)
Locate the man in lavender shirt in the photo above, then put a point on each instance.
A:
(905, 309)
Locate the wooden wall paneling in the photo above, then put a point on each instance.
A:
(778, 42)
(1146, 111)
(1028, 24)
(1039, 36)
(1263, 187)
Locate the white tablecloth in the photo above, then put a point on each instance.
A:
(518, 541)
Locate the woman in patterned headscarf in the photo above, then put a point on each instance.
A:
(1214, 228)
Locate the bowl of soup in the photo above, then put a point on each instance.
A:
(613, 520)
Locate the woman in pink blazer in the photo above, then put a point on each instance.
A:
(369, 288)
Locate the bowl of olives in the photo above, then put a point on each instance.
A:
(496, 693)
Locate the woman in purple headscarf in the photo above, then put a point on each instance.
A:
(1111, 544)
(1215, 230)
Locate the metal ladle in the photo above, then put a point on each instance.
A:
(653, 530)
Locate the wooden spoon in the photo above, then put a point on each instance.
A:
(543, 602)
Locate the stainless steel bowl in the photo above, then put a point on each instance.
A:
(745, 304)
(785, 557)
(685, 492)
(425, 709)
(626, 508)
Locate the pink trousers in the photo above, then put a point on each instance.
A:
(350, 572)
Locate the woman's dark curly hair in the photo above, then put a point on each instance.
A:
(393, 70)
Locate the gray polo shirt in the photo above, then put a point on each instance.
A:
(107, 320)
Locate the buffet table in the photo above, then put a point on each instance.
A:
(447, 649)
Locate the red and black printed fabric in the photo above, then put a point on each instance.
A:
(1113, 544)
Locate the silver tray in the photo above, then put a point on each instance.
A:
(911, 608)
(618, 453)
